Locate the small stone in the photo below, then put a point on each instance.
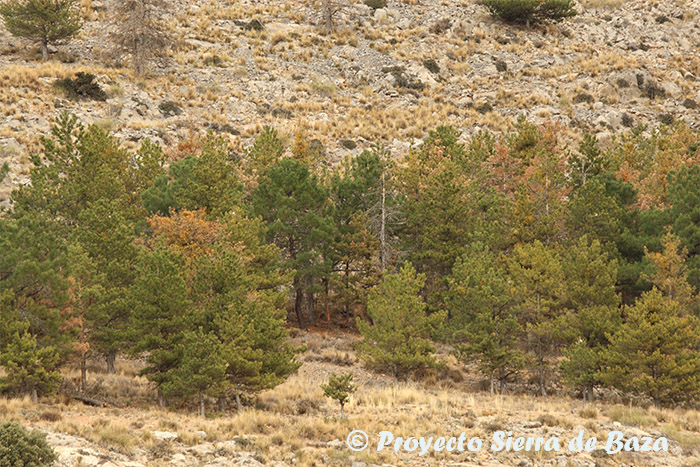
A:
(165, 435)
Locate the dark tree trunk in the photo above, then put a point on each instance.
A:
(310, 305)
(83, 374)
(111, 358)
(298, 303)
(44, 49)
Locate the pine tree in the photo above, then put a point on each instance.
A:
(684, 195)
(295, 206)
(201, 370)
(239, 294)
(139, 31)
(399, 340)
(655, 352)
(482, 319)
(538, 281)
(161, 313)
(445, 209)
(670, 272)
(339, 388)
(30, 369)
(44, 21)
(266, 151)
(83, 312)
(593, 212)
(591, 279)
(585, 164)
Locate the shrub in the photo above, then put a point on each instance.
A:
(667, 119)
(530, 11)
(169, 108)
(441, 26)
(501, 66)
(627, 120)
(254, 25)
(690, 104)
(653, 90)
(376, 4)
(82, 86)
(583, 97)
(484, 108)
(348, 144)
(21, 447)
(402, 79)
(432, 66)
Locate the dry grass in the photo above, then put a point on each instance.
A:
(294, 420)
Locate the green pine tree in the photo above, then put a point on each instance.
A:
(30, 369)
(44, 21)
(655, 352)
(339, 388)
(161, 313)
(540, 289)
(295, 207)
(399, 338)
(201, 370)
(482, 319)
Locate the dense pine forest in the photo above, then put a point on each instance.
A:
(538, 261)
(349, 233)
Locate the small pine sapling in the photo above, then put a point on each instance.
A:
(340, 387)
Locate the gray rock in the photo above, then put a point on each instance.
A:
(165, 435)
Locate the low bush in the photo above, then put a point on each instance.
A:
(82, 86)
(530, 11)
(432, 66)
(169, 108)
(376, 4)
(21, 447)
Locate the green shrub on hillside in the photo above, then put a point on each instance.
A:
(376, 4)
(21, 447)
(531, 11)
(83, 85)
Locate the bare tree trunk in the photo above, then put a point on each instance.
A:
(201, 405)
(161, 403)
(329, 9)
(543, 387)
(239, 406)
(83, 374)
(310, 303)
(382, 227)
(328, 301)
(35, 396)
(111, 358)
(44, 49)
(298, 302)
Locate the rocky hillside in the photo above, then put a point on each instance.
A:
(386, 75)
